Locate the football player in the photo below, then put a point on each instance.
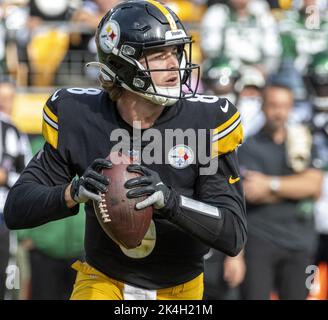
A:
(145, 66)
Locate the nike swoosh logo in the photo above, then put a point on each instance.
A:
(233, 180)
(55, 95)
(225, 108)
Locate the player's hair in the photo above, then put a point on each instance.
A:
(111, 88)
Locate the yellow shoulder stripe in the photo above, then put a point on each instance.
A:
(50, 134)
(166, 13)
(228, 143)
(50, 114)
(227, 123)
(50, 126)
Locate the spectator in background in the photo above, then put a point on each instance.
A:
(40, 31)
(22, 149)
(242, 30)
(67, 25)
(317, 79)
(219, 77)
(248, 89)
(14, 154)
(304, 32)
(278, 174)
(242, 87)
(91, 12)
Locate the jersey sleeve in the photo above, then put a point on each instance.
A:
(38, 196)
(50, 121)
(228, 132)
(224, 189)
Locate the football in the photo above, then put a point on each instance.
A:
(116, 213)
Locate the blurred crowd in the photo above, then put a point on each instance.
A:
(269, 58)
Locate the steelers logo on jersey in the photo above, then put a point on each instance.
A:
(180, 156)
(109, 36)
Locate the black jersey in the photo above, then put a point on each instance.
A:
(80, 125)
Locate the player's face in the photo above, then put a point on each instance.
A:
(165, 58)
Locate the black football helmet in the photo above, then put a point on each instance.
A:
(126, 33)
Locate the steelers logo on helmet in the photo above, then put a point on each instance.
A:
(109, 36)
(180, 156)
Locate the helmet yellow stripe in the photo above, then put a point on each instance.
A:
(166, 13)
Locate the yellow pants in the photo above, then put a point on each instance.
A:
(90, 284)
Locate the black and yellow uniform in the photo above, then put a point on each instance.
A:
(77, 126)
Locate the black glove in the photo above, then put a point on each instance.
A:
(149, 184)
(91, 183)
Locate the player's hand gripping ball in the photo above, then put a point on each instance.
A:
(117, 214)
